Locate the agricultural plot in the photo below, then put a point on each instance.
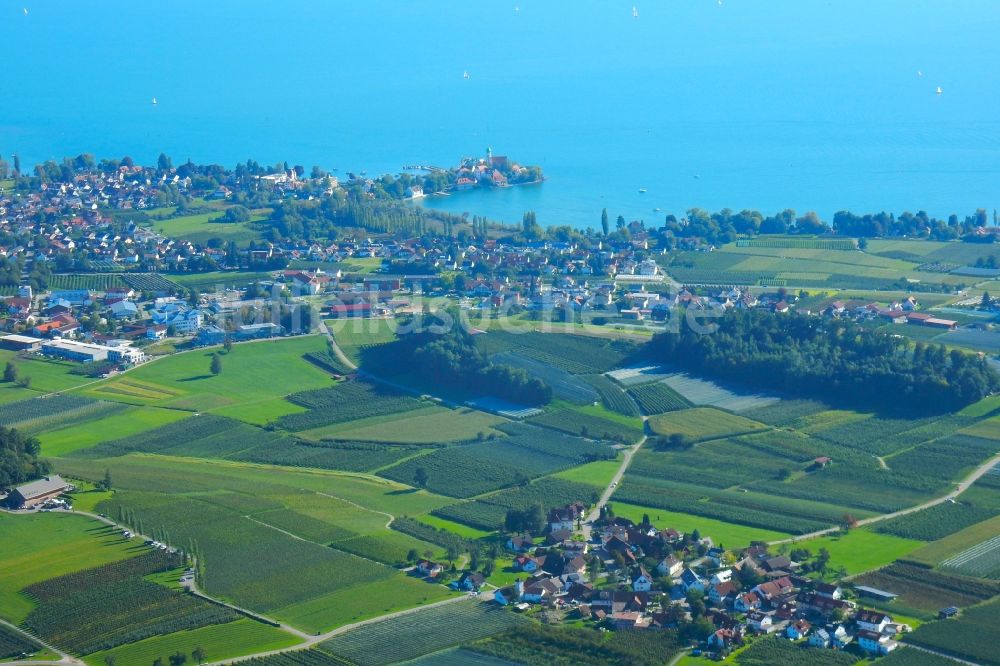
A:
(972, 636)
(202, 227)
(846, 244)
(254, 378)
(730, 535)
(217, 641)
(702, 423)
(151, 282)
(657, 398)
(861, 549)
(472, 469)
(612, 395)
(219, 280)
(210, 436)
(904, 656)
(937, 522)
(47, 375)
(643, 374)
(425, 425)
(565, 386)
(752, 509)
(785, 412)
(297, 658)
(576, 354)
(39, 546)
(126, 422)
(936, 552)
(308, 584)
(113, 605)
(347, 401)
(49, 411)
(488, 513)
(772, 650)
(89, 281)
(592, 427)
(407, 637)
(14, 643)
(708, 393)
(981, 560)
(927, 590)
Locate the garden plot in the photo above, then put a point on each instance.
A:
(704, 392)
(564, 385)
(982, 560)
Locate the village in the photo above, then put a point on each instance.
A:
(636, 577)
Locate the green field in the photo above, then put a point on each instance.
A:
(47, 375)
(200, 228)
(464, 531)
(254, 380)
(40, 546)
(221, 641)
(430, 425)
(597, 473)
(131, 421)
(702, 423)
(728, 534)
(354, 335)
(861, 550)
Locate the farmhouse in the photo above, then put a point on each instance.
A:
(36, 492)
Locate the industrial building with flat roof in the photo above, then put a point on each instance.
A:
(20, 342)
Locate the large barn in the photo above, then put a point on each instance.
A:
(36, 492)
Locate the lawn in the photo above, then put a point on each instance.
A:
(13, 393)
(121, 424)
(254, 378)
(40, 546)
(861, 550)
(728, 534)
(47, 375)
(430, 425)
(221, 641)
(702, 423)
(353, 604)
(597, 473)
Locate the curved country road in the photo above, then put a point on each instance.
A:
(959, 489)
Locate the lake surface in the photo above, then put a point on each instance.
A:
(748, 104)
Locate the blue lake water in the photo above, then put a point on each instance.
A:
(753, 103)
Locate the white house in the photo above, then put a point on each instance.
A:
(870, 620)
(641, 580)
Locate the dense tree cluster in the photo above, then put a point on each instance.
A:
(919, 225)
(19, 460)
(830, 359)
(447, 357)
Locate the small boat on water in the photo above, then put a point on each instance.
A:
(155, 102)
(466, 75)
(939, 91)
(657, 210)
(635, 12)
(642, 190)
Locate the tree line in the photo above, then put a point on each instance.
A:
(19, 461)
(447, 357)
(833, 360)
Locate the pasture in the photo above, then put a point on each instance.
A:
(860, 550)
(47, 375)
(250, 387)
(597, 474)
(40, 546)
